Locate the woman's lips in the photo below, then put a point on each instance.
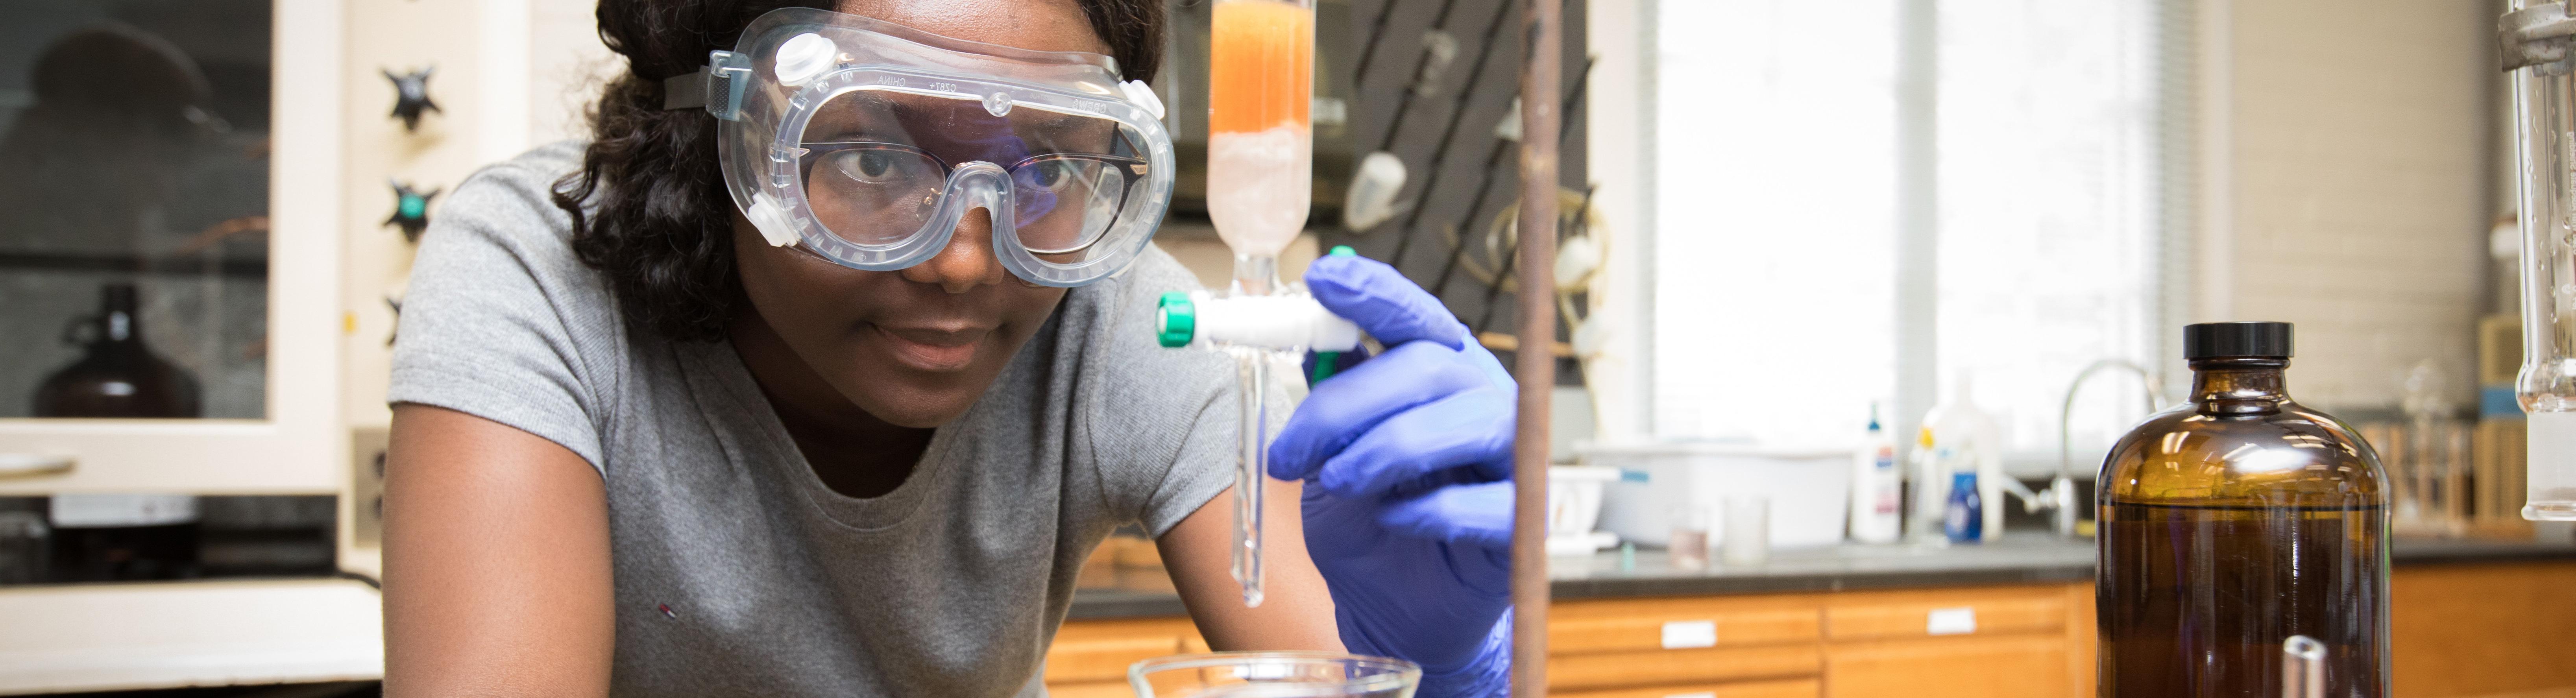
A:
(930, 349)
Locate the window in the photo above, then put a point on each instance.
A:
(1781, 273)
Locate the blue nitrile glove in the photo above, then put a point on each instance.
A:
(1408, 499)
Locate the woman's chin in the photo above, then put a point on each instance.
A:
(917, 401)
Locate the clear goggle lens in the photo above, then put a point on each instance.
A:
(876, 166)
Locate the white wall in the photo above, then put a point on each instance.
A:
(2355, 198)
(566, 67)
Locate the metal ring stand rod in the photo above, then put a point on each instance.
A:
(1534, 366)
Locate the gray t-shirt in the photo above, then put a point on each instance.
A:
(737, 571)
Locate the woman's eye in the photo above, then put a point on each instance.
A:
(870, 166)
(1055, 175)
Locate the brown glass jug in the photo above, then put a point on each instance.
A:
(2234, 522)
(117, 375)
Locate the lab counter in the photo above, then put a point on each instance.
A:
(2020, 558)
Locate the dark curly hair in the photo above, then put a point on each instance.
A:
(649, 208)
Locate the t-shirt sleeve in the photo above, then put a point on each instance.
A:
(1162, 421)
(501, 321)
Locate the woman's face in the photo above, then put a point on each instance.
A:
(913, 347)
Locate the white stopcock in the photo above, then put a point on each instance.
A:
(1285, 322)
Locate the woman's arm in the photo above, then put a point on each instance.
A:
(1296, 613)
(496, 562)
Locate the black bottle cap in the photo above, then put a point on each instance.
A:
(2210, 340)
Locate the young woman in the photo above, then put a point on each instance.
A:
(695, 409)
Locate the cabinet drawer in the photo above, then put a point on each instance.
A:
(1669, 667)
(2024, 666)
(1095, 651)
(1091, 689)
(1793, 688)
(1660, 624)
(1983, 614)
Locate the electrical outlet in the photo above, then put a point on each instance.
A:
(367, 485)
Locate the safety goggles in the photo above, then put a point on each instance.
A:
(867, 142)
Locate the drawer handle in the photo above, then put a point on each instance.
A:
(1690, 634)
(1951, 621)
(33, 464)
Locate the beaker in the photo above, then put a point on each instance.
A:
(1273, 675)
(2533, 38)
(1688, 544)
(1748, 530)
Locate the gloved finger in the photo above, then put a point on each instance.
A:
(1382, 302)
(1339, 410)
(1493, 367)
(1469, 430)
(1474, 515)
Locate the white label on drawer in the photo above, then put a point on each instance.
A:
(1701, 694)
(1687, 634)
(1951, 621)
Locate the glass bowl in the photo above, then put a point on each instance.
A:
(1273, 675)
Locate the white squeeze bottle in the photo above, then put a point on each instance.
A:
(1876, 488)
(1973, 437)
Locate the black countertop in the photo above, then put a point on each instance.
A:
(2017, 559)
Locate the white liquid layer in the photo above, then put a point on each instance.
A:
(1259, 186)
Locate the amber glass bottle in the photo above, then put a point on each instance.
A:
(117, 375)
(2234, 522)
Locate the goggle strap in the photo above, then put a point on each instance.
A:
(717, 87)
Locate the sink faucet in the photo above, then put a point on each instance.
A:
(2060, 498)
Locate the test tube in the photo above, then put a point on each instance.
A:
(2534, 41)
(1261, 57)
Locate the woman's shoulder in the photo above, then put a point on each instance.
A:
(515, 197)
(503, 220)
(500, 319)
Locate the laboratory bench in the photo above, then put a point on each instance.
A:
(2008, 618)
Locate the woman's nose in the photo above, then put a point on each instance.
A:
(967, 261)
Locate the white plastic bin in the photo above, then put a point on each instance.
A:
(1809, 489)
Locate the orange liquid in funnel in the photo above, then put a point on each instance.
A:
(1261, 66)
(1261, 76)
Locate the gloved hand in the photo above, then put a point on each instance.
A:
(1408, 499)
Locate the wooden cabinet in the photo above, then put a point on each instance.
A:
(1090, 658)
(1674, 644)
(1791, 688)
(1680, 666)
(2003, 666)
(1585, 627)
(2001, 641)
(2483, 630)
(1973, 641)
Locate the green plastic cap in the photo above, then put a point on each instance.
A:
(1343, 251)
(1178, 320)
